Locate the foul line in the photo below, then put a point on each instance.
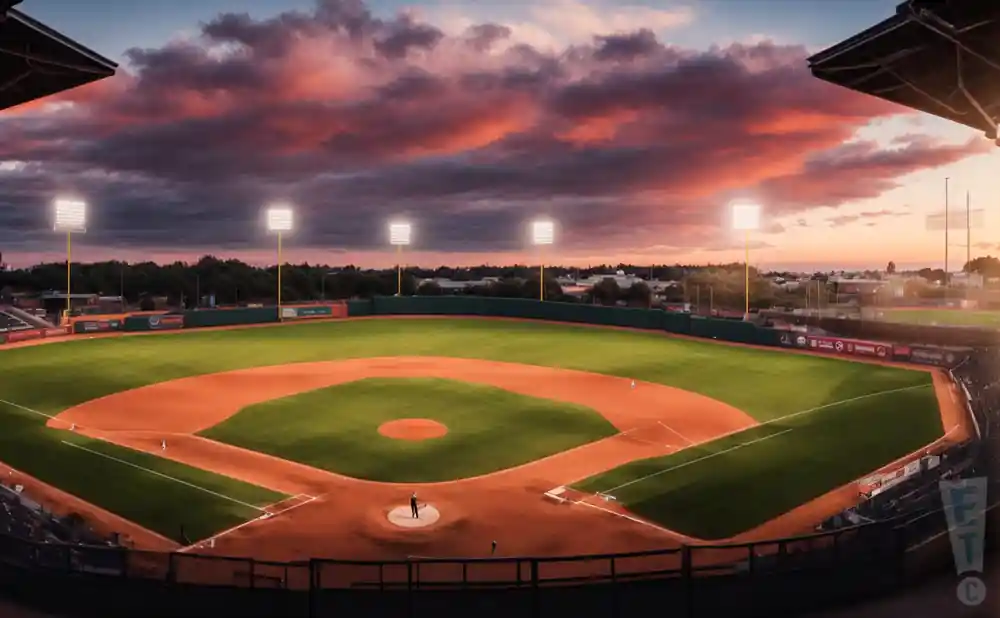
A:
(26, 409)
(694, 461)
(628, 517)
(267, 515)
(166, 476)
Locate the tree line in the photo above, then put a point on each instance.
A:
(235, 282)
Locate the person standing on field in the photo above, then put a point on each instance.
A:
(413, 506)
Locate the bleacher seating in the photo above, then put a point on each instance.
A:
(10, 323)
(919, 497)
(23, 518)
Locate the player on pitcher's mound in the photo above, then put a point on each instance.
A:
(414, 511)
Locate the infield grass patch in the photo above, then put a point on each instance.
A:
(336, 429)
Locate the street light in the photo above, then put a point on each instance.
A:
(542, 233)
(746, 218)
(399, 235)
(71, 218)
(279, 221)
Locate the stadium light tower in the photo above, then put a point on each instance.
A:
(399, 235)
(746, 218)
(279, 221)
(542, 233)
(71, 218)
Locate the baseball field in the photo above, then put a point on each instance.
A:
(306, 435)
(944, 317)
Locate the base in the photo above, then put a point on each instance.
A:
(402, 516)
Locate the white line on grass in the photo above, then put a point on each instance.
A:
(628, 517)
(166, 476)
(26, 409)
(264, 517)
(694, 461)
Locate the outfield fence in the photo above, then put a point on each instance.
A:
(776, 577)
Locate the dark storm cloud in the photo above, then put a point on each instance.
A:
(356, 119)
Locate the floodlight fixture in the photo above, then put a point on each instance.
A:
(280, 219)
(400, 233)
(70, 216)
(746, 218)
(543, 232)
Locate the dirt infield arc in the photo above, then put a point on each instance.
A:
(348, 518)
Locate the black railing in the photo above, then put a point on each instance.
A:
(694, 580)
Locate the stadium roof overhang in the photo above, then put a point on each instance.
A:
(941, 57)
(36, 61)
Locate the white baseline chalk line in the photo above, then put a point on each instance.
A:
(765, 423)
(162, 475)
(128, 463)
(624, 516)
(770, 422)
(26, 409)
(264, 517)
(698, 460)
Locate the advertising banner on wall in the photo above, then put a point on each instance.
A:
(96, 326)
(304, 313)
(793, 339)
(25, 335)
(166, 322)
(939, 357)
(855, 347)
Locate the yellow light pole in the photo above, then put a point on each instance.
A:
(400, 234)
(279, 275)
(746, 218)
(542, 234)
(746, 277)
(70, 217)
(69, 272)
(280, 219)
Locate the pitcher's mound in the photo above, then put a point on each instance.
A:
(403, 517)
(412, 429)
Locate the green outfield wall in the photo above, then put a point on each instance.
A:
(626, 317)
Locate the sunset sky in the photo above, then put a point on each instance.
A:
(631, 124)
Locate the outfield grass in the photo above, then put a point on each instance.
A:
(766, 384)
(336, 429)
(944, 317)
(202, 502)
(734, 484)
